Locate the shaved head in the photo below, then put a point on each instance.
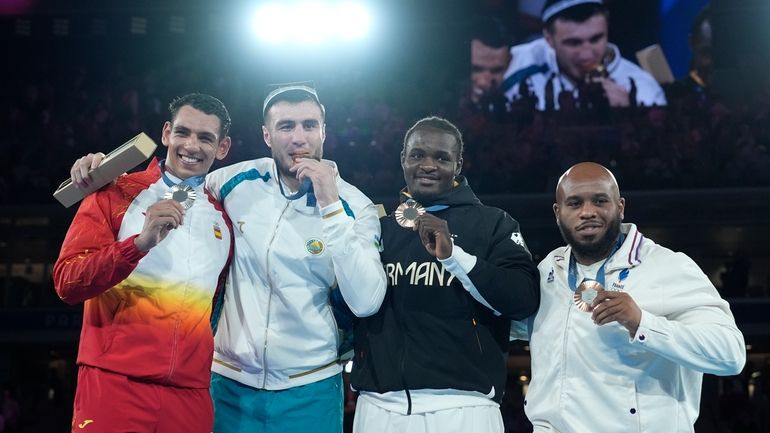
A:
(586, 172)
(589, 210)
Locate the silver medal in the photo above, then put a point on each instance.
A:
(182, 193)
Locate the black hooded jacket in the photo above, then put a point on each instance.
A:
(429, 332)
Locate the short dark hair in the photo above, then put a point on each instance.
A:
(293, 93)
(490, 31)
(205, 103)
(435, 122)
(578, 13)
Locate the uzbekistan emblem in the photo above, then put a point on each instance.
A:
(315, 246)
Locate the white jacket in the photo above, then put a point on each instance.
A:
(276, 330)
(596, 379)
(538, 52)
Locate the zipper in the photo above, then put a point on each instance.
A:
(270, 295)
(476, 332)
(335, 327)
(402, 326)
(172, 367)
(406, 388)
(563, 366)
(178, 321)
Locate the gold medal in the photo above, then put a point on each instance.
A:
(406, 214)
(585, 294)
(181, 193)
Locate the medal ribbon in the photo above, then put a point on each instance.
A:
(436, 208)
(305, 188)
(192, 182)
(572, 276)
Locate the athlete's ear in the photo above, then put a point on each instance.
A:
(266, 136)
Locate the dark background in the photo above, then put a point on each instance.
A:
(696, 175)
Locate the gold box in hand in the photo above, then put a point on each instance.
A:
(124, 158)
(652, 60)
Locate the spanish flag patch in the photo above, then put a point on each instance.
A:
(217, 231)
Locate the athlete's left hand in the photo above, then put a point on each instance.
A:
(617, 95)
(434, 234)
(610, 306)
(323, 177)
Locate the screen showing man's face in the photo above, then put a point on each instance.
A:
(488, 66)
(579, 47)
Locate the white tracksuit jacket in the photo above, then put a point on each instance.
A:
(276, 330)
(622, 71)
(597, 379)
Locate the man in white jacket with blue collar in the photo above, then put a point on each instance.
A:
(301, 233)
(574, 59)
(626, 328)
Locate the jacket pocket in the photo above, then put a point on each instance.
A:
(585, 392)
(114, 327)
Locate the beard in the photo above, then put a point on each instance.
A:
(595, 249)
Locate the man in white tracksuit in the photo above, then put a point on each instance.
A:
(574, 50)
(626, 328)
(301, 232)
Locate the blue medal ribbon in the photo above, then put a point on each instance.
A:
(193, 181)
(306, 188)
(572, 275)
(436, 208)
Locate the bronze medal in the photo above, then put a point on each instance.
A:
(182, 193)
(407, 212)
(585, 294)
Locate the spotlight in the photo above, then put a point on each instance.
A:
(311, 22)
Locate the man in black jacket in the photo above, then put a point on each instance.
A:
(432, 359)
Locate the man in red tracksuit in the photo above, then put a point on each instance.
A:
(147, 254)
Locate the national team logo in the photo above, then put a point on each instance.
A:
(619, 285)
(550, 276)
(518, 239)
(623, 274)
(217, 231)
(315, 246)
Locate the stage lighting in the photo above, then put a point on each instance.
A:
(352, 20)
(311, 22)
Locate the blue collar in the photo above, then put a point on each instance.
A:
(193, 181)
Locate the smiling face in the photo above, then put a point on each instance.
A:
(294, 131)
(193, 141)
(580, 47)
(589, 211)
(431, 162)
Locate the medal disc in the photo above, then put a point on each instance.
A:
(181, 193)
(407, 212)
(585, 294)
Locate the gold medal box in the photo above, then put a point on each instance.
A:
(124, 158)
